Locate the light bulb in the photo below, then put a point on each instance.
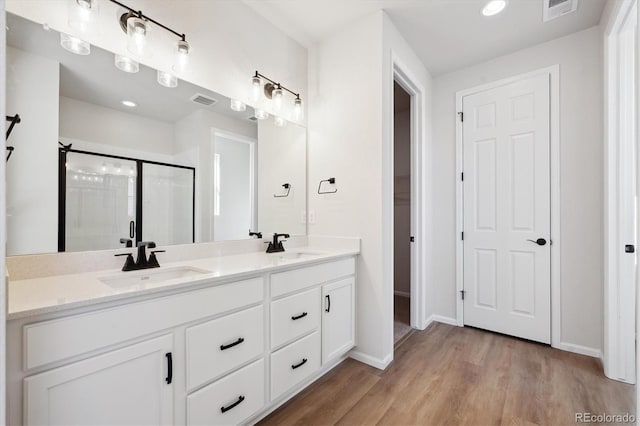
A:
(276, 96)
(182, 56)
(82, 14)
(279, 121)
(256, 86)
(237, 105)
(261, 114)
(297, 108)
(137, 30)
(74, 44)
(126, 64)
(167, 79)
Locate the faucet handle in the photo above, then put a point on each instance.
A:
(129, 264)
(149, 244)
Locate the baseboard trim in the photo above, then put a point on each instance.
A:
(402, 294)
(380, 364)
(442, 319)
(579, 349)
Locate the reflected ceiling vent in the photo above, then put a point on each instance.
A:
(201, 99)
(252, 119)
(553, 9)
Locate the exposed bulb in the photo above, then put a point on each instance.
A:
(137, 30)
(126, 64)
(276, 96)
(182, 56)
(297, 109)
(82, 14)
(167, 79)
(256, 85)
(237, 105)
(74, 44)
(261, 114)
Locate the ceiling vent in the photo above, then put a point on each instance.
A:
(252, 118)
(553, 9)
(201, 99)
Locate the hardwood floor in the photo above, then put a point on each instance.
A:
(401, 317)
(461, 376)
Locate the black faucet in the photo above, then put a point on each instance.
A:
(276, 246)
(258, 235)
(141, 261)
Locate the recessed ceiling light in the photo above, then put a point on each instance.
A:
(130, 104)
(493, 7)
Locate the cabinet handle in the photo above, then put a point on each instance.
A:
(230, 345)
(169, 378)
(328, 308)
(297, 317)
(234, 405)
(303, 362)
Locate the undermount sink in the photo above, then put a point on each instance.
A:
(151, 276)
(298, 254)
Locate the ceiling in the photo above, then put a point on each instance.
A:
(445, 34)
(96, 80)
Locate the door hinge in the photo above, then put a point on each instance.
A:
(412, 238)
(461, 114)
(462, 292)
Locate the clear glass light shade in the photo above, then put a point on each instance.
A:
(167, 79)
(279, 121)
(126, 64)
(298, 112)
(256, 86)
(182, 56)
(237, 105)
(261, 114)
(276, 96)
(74, 44)
(82, 14)
(137, 31)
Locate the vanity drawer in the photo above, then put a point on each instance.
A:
(50, 341)
(298, 279)
(294, 316)
(241, 394)
(294, 363)
(217, 347)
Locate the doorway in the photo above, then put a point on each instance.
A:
(401, 213)
(506, 148)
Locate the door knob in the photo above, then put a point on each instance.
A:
(539, 241)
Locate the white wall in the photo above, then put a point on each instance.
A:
(350, 114)
(282, 153)
(402, 202)
(229, 41)
(32, 171)
(581, 176)
(3, 286)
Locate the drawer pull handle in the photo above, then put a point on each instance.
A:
(297, 317)
(328, 308)
(230, 345)
(303, 362)
(169, 378)
(234, 405)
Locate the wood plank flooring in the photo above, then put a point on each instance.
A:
(449, 375)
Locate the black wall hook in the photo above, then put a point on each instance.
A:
(286, 186)
(331, 181)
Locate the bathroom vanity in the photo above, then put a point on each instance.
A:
(221, 340)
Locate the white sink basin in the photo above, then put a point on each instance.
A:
(298, 254)
(151, 276)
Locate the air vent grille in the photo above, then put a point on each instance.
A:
(253, 118)
(201, 99)
(553, 9)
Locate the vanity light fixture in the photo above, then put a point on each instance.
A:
(74, 44)
(237, 105)
(137, 29)
(129, 104)
(167, 79)
(493, 7)
(182, 56)
(275, 92)
(82, 13)
(126, 64)
(261, 114)
(279, 121)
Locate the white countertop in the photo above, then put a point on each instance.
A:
(39, 296)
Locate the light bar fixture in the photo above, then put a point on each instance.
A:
(274, 91)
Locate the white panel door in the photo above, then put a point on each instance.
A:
(507, 225)
(338, 319)
(128, 386)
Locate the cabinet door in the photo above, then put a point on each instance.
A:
(127, 386)
(338, 320)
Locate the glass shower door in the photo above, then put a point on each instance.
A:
(100, 202)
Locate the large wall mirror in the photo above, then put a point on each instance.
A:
(105, 158)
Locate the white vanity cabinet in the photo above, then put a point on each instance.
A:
(221, 353)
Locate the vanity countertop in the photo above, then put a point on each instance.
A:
(38, 296)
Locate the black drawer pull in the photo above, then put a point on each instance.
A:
(303, 362)
(169, 378)
(297, 317)
(328, 308)
(234, 405)
(230, 345)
